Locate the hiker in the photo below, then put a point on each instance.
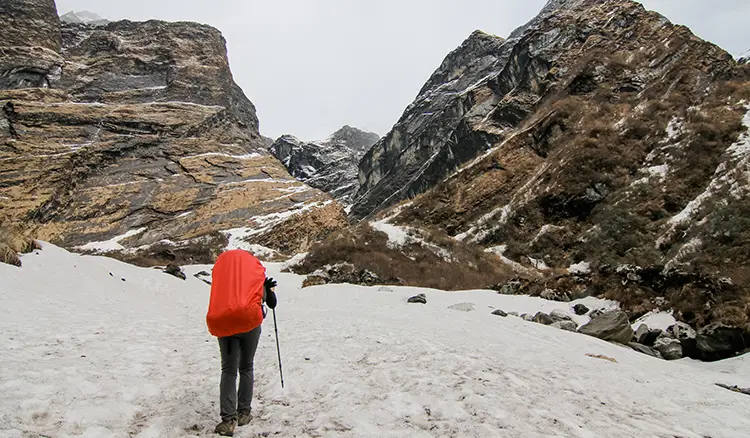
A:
(239, 288)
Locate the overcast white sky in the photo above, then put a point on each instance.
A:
(312, 66)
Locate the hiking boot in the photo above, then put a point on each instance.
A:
(226, 428)
(243, 418)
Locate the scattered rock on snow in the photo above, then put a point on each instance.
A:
(420, 299)
(687, 337)
(527, 317)
(681, 331)
(734, 388)
(640, 333)
(200, 276)
(554, 295)
(670, 348)
(341, 273)
(499, 312)
(610, 326)
(646, 336)
(645, 349)
(543, 318)
(718, 341)
(462, 307)
(175, 270)
(580, 309)
(565, 325)
(510, 288)
(559, 315)
(513, 314)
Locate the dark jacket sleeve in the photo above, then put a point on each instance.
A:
(270, 298)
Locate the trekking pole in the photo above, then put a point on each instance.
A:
(278, 349)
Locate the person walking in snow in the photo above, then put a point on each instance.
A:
(239, 288)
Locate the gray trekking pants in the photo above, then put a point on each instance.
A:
(237, 353)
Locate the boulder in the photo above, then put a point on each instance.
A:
(610, 326)
(640, 333)
(554, 295)
(499, 312)
(670, 348)
(580, 309)
(527, 317)
(510, 288)
(687, 337)
(559, 315)
(645, 349)
(718, 341)
(652, 336)
(565, 325)
(419, 299)
(543, 318)
(681, 331)
(175, 270)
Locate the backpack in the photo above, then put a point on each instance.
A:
(237, 294)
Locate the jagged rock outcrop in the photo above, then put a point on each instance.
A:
(144, 137)
(435, 134)
(329, 165)
(30, 44)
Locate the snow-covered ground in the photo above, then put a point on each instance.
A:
(92, 347)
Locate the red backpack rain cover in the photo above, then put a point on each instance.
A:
(236, 294)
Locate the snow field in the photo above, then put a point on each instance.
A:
(358, 362)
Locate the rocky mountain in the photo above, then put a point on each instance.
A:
(131, 134)
(329, 165)
(598, 150)
(433, 136)
(84, 17)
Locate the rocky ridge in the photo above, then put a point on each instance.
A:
(329, 165)
(433, 137)
(133, 134)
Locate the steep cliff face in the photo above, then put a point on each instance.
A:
(433, 136)
(144, 137)
(329, 165)
(155, 61)
(29, 44)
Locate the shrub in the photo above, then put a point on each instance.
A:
(413, 264)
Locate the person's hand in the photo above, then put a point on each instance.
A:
(270, 283)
